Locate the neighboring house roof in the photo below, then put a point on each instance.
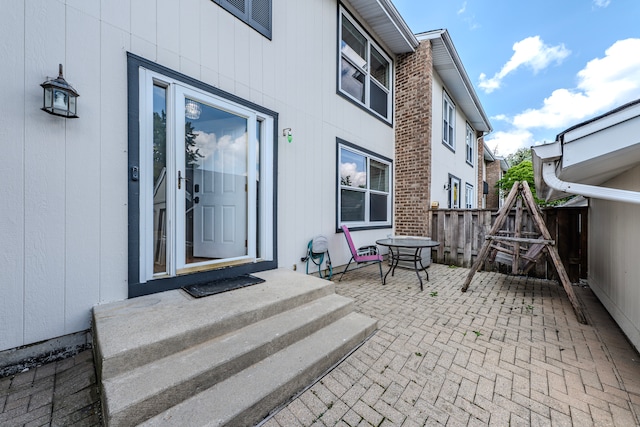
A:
(384, 19)
(489, 156)
(449, 66)
(589, 154)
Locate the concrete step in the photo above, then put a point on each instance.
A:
(247, 398)
(155, 354)
(141, 393)
(132, 333)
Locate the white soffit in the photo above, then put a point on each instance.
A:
(602, 148)
(449, 67)
(385, 20)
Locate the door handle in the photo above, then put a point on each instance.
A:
(180, 178)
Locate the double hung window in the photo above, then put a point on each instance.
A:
(364, 71)
(468, 196)
(448, 122)
(470, 140)
(364, 187)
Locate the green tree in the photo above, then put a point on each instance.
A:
(523, 171)
(519, 156)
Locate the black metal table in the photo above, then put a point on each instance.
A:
(396, 243)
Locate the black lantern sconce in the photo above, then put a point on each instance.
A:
(59, 98)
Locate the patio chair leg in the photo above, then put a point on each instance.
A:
(345, 270)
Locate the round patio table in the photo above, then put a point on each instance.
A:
(396, 243)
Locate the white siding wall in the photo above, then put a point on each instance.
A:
(63, 216)
(614, 271)
(443, 160)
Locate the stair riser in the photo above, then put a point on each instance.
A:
(286, 391)
(136, 357)
(200, 381)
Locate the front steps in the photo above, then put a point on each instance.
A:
(226, 359)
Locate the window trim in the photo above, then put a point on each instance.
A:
(446, 101)
(366, 106)
(135, 286)
(470, 148)
(366, 224)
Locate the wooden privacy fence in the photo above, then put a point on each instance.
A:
(461, 233)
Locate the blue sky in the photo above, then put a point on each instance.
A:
(540, 66)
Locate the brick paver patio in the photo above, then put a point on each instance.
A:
(508, 352)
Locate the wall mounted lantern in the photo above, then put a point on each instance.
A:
(59, 98)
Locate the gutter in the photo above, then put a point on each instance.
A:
(605, 193)
(546, 162)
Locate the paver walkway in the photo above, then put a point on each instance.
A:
(62, 393)
(507, 352)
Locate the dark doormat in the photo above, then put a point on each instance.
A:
(222, 285)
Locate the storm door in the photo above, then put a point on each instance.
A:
(205, 182)
(216, 187)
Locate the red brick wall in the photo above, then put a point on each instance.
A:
(413, 142)
(493, 175)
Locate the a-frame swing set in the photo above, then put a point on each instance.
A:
(509, 246)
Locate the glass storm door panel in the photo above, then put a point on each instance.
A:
(216, 188)
(159, 179)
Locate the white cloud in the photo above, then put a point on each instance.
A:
(602, 84)
(504, 143)
(463, 8)
(601, 3)
(349, 171)
(530, 52)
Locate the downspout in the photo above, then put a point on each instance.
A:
(605, 193)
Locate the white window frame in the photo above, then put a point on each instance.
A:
(448, 122)
(343, 145)
(470, 142)
(364, 67)
(468, 196)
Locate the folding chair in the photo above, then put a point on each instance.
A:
(363, 254)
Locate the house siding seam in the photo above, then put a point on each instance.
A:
(413, 132)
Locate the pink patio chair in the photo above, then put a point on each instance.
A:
(363, 254)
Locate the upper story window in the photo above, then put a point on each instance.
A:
(364, 187)
(256, 13)
(471, 142)
(448, 122)
(364, 71)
